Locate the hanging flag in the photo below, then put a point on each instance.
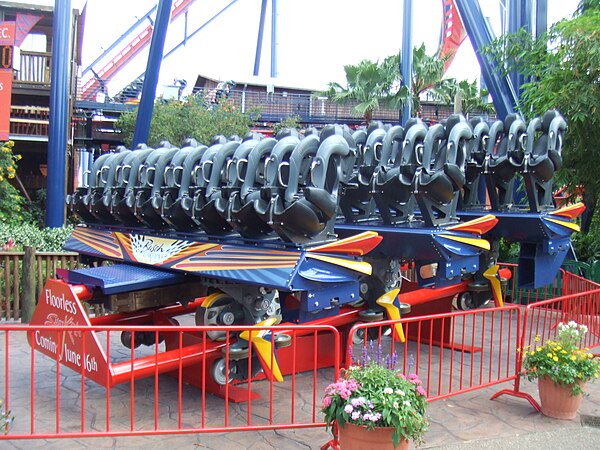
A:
(453, 33)
(24, 24)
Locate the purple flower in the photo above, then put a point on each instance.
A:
(355, 415)
(348, 409)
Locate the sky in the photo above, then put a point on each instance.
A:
(315, 38)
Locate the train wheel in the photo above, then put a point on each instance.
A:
(219, 371)
(223, 310)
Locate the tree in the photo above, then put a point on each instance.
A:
(472, 98)
(370, 84)
(563, 66)
(176, 121)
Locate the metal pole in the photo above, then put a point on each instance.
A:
(406, 58)
(541, 17)
(157, 45)
(261, 28)
(59, 114)
(274, 39)
(480, 35)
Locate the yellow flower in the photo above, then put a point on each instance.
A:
(537, 338)
(589, 355)
(10, 143)
(573, 358)
(549, 355)
(539, 349)
(555, 359)
(564, 352)
(19, 157)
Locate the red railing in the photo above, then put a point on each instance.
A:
(95, 380)
(130, 397)
(452, 353)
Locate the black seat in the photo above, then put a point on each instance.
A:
(542, 159)
(475, 164)
(392, 185)
(79, 200)
(311, 217)
(214, 173)
(356, 200)
(276, 174)
(123, 196)
(172, 180)
(149, 184)
(234, 174)
(174, 211)
(439, 180)
(104, 177)
(241, 214)
(504, 162)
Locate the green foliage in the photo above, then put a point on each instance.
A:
(176, 121)
(587, 245)
(564, 68)
(372, 84)
(6, 418)
(11, 202)
(26, 234)
(369, 84)
(292, 122)
(562, 360)
(377, 395)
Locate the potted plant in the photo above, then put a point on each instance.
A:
(561, 368)
(374, 405)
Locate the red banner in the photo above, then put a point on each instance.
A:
(453, 33)
(58, 306)
(5, 102)
(7, 41)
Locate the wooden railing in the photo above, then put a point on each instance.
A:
(11, 277)
(29, 120)
(35, 68)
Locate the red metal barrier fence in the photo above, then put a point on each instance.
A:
(107, 389)
(128, 397)
(452, 353)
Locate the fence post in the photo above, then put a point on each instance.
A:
(29, 284)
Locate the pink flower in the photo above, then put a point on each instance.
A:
(326, 401)
(421, 391)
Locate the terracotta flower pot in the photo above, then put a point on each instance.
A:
(358, 437)
(556, 399)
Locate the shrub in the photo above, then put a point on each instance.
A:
(11, 202)
(26, 234)
(176, 121)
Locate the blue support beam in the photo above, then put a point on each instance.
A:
(157, 45)
(274, 39)
(541, 17)
(259, 40)
(519, 16)
(406, 57)
(59, 115)
(504, 99)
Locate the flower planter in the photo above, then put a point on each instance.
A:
(556, 400)
(358, 437)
